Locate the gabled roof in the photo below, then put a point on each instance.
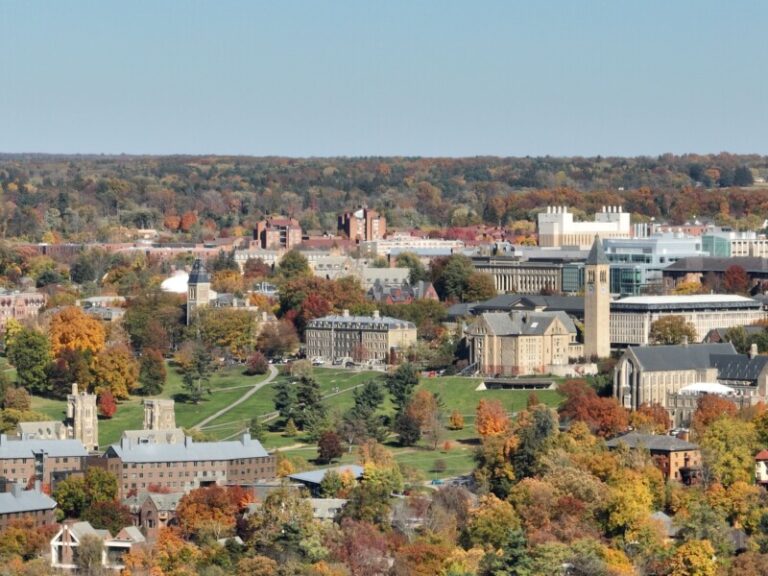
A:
(519, 323)
(751, 264)
(678, 356)
(28, 448)
(16, 502)
(762, 456)
(316, 476)
(597, 253)
(653, 442)
(165, 502)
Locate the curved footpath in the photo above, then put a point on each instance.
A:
(272, 375)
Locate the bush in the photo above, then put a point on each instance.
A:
(439, 466)
(256, 364)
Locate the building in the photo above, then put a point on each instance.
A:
(360, 338)
(403, 294)
(362, 225)
(518, 342)
(159, 414)
(677, 459)
(276, 233)
(395, 276)
(712, 270)
(30, 505)
(199, 294)
(405, 243)
(64, 545)
(597, 303)
(631, 318)
(158, 511)
(20, 305)
(726, 243)
(181, 467)
(312, 479)
(761, 467)
(556, 227)
(43, 460)
(511, 275)
(673, 376)
(83, 414)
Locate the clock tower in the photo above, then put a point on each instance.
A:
(597, 303)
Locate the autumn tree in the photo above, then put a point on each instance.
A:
(735, 280)
(409, 260)
(278, 339)
(329, 447)
(293, 265)
(30, 354)
(108, 515)
(727, 448)
(694, 558)
(672, 330)
(256, 364)
(480, 287)
(107, 404)
(604, 416)
(456, 420)
(710, 407)
(73, 329)
(651, 419)
(535, 434)
(115, 369)
(229, 329)
(208, 510)
(152, 372)
(491, 418)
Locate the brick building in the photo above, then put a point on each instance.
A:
(43, 460)
(20, 504)
(363, 224)
(677, 459)
(188, 465)
(275, 232)
(20, 305)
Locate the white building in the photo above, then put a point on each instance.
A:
(631, 318)
(404, 243)
(557, 227)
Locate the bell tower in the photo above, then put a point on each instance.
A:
(198, 289)
(597, 303)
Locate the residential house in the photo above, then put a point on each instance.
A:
(65, 545)
(677, 459)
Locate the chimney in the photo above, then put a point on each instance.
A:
(17, 489)
(376, 315)
(753, 350)
(187, 441)
(38, 486)
(74, 388)
(685, 341)
(345, 313)
(246, 439)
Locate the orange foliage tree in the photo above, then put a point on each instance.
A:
(604, 416)
(73, 329)
(211, 509)
(651, 418)
(709, 408)
(491, 418)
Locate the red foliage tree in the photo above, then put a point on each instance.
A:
(256, 364)
(709, 408)
(362, 547)
(604, 416)
(107, 404)
(329, 446)
(735, 279)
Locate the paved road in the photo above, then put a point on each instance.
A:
(243, 398)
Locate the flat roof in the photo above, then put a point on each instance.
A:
(686, 299)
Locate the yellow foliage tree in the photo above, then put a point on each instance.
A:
(694, 558)
(73, 329)
(491, 418)
(456, 421)
(115, 369)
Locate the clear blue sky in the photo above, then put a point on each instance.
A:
(385, 77)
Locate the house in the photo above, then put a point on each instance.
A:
(676, 458)
(314, 478)
(65, 544)
(31, 505)
(515, 343)
(158, 511)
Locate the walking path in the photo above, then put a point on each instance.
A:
(243, 398)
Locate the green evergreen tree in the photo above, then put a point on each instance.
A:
(401, 384)
(196, 377)
(309, 402)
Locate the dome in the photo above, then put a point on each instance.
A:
(176, 284)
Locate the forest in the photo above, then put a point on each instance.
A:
(101, 198)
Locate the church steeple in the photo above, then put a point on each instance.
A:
(597, 303)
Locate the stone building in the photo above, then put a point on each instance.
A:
(158, 511)
(83, 416)
(557, 228)
(519, 342)
(597, 303)
(181, 467)
(159, 414)
(198, 290)
(20, 305)
(361, 338)
(510, 275)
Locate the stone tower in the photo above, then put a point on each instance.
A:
(597, 303)
(198, 290)
(83, 417)
(159, 415)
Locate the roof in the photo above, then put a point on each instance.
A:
(762, 455)
(597, 253)
(166, 502)
(28, 448)
(25, 501)
(683, 300)
(40, 429)
(80, 529)
(751, 265)
(524, 323)
(187, 451)
(316, 476)
(130, 534)
(460, 310)
(199, 274)
(368, 321)
(653, 442)
(739, 366)
(170, 436)
(678, 356)
(721, 333)
(569, 304)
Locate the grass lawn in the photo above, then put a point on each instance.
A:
(130, 413)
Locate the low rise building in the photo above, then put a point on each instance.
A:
(66, 542)
(677, 459)
(631, 318)
(362, 338)
(43, 460)
(521, 342)
(158, 511)
(181, 467)
(29, 505)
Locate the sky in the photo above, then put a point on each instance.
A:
(384, 78)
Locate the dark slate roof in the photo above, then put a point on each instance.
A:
(597, 253)
(508, 302)
(679, 357)
(460, 310)
(751, 264)
(316, 476)
(738, 366)
(720, 333)
(524, 323)
(199, 275)
(653, 442)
